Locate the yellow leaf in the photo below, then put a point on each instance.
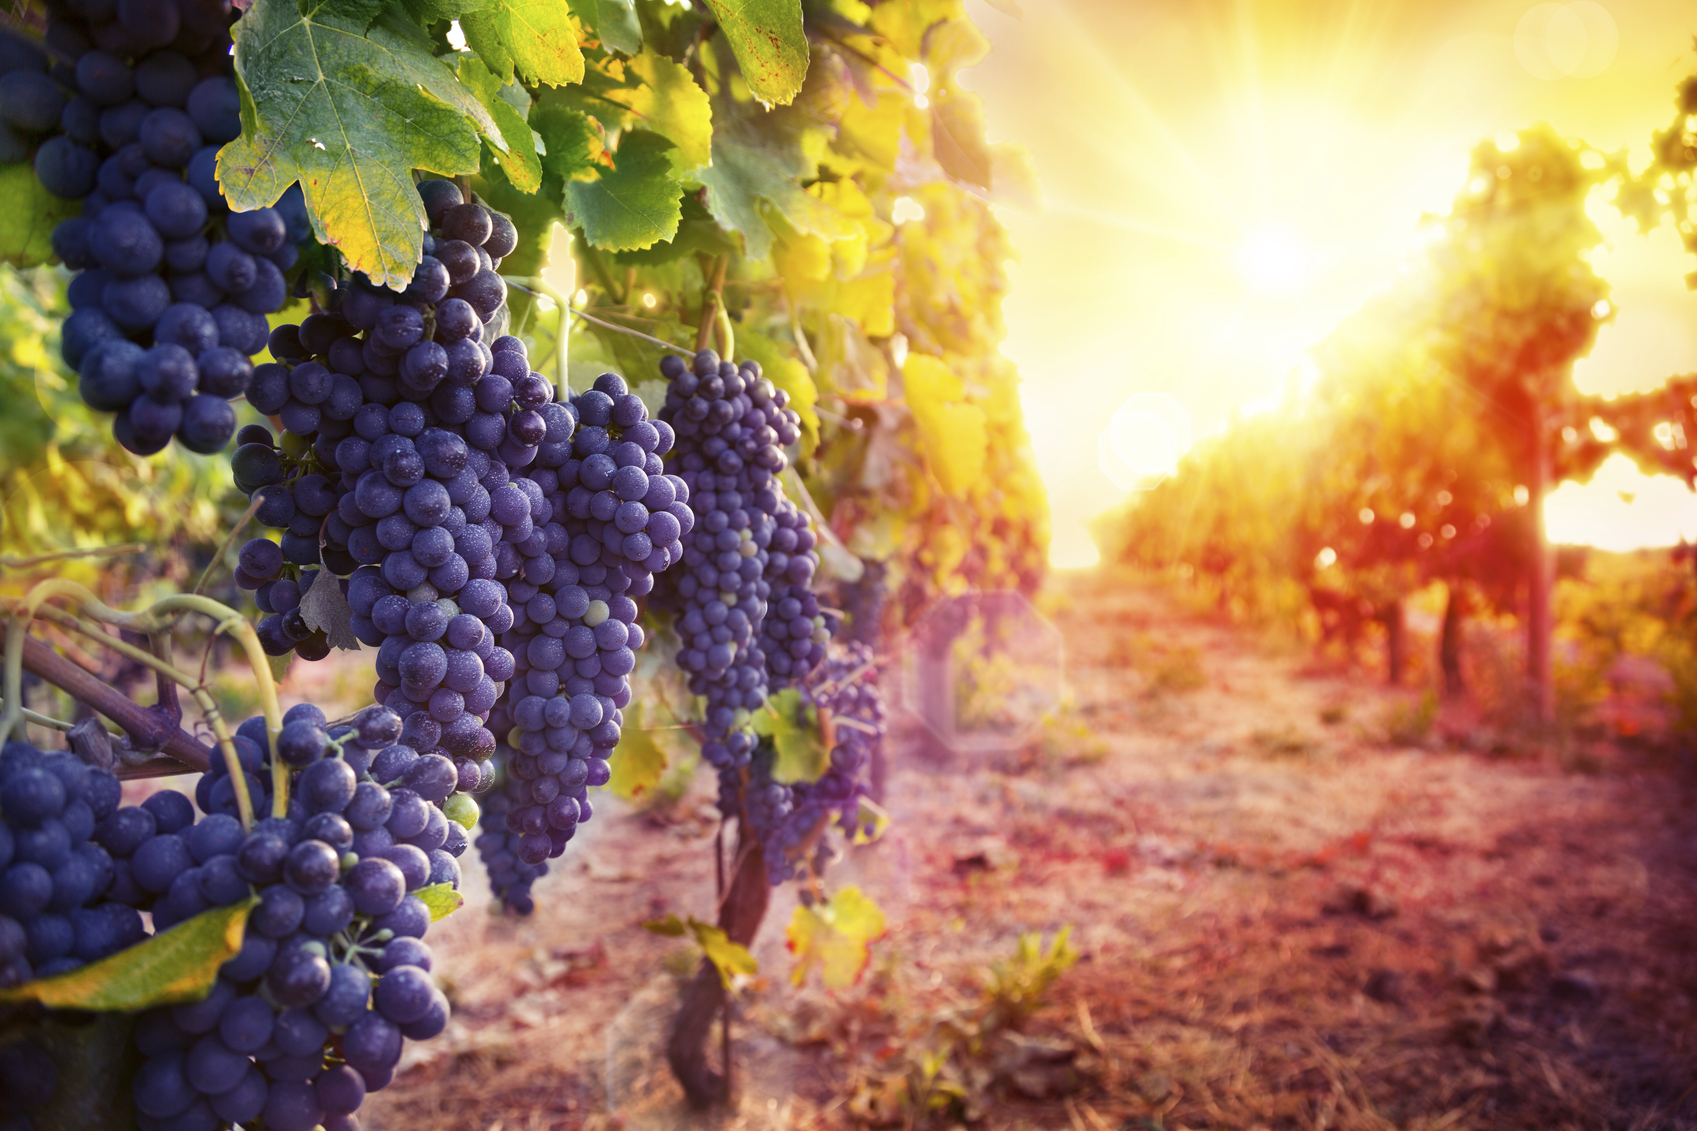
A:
(870, 301)
(640, 761)
(442, 900)
(177, 965)
(672, 105)
(671, 926)
(835, 937)
(953, 436)
(802, 258)
(26, 229)
(727, 957)
(871, 136)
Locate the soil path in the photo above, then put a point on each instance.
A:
(1282, 922)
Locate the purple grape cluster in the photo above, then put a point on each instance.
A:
(575, 636)
(750, 555)
(788, 817)
(125, 110)
(497, 538)
(332, 974)
(54, 874)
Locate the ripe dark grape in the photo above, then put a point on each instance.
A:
(30, 102)
(65, 168)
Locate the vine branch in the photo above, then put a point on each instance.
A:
(141, 723)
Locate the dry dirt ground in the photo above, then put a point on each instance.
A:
(1282, 921)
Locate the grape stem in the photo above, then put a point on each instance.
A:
(156, 621)
(538, 287)
(218, 558)
(47, 721)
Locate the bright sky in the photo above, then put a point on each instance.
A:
(1226, 181)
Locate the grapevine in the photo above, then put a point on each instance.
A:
(505, 543)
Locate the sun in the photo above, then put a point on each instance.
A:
(1275, 258)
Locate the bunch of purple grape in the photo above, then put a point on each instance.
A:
(332, 973)
(750, 548)
(789, 817)
(125, 110)
(497, 539)
(575, 636)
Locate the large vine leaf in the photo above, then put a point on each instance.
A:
(574, 139)
(769, 43)
(538, 39)
(349, 114)
(519, 162)
(634, 205)
(953, 434)
(753, 164)
(180, 964)
(671, 104)
(26, 225)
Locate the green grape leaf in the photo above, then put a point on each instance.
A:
(519, 162)
(671, 104)
(641, 761)
(326, 610)
(349, 116)
(614, 23)
(177, 965)
(442, 900)
(770, 45)
(694, 237)
(26, 228)
(793, 727)
(537, 39)
(356, 13)
(760, 163)
(574, 139)
(633, 205)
